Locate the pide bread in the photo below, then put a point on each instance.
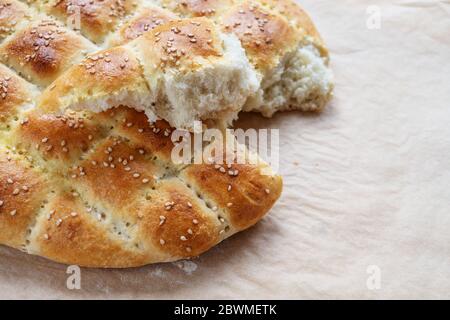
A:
(206, 60)
(91, 92)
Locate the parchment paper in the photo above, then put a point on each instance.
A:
(367, 183)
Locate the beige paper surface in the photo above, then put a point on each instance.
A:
(367, 183)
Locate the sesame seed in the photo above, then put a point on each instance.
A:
(267, 191)
(162, 242)
(195, 221)
(13, 212)
(46, 237)
(58, 222)
(16, 191)
(188, 249)
(73, 214)
(183, 238)
(190, 231)
(229, 204)
(1, 203)
(189, 204)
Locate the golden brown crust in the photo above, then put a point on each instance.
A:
(241, 191)
(96, 17)
(43, 50)
(15, 93)
(290, 9)
(68, 233)
(265, 36)
(12, 14)
(134, 125)
(218, 9)
(180, 43)
(101, 75)
(295, 13)
(198, 8)
(22, 193)
(116, 172)
(60, 138)
(176, 221)
(146, 20)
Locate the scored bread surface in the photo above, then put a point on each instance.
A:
(99, 189)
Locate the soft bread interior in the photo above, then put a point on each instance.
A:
(217, 91)
(302, 81)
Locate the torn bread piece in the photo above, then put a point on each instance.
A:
(288, 53)
(283, 45)
(181, 71)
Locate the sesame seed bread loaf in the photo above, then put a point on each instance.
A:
(207, 60)
(100, 189)
(95, 185)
